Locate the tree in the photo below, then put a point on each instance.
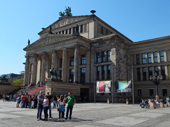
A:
(17, 82)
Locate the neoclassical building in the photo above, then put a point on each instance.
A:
(85, 49)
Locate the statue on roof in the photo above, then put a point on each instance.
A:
(50, 31)
(66, 12)
(28, 41)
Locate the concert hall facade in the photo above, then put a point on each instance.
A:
(85, 49)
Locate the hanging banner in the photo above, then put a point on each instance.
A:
(103, 87)
(123, 87)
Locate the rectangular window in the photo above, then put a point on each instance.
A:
(98, 57)
(60, 62)
(59, 32)
(56, 32)
(85, 27)
(156, 70)
(108, 55)
(163, 72)
(144, 73)
(74, 29)
(151, 92)
(98, 72)
(83, 59)
(101, 30)
(137, 59)
(108, 72)
(143, 58)
(164, 92)
(81, 29)
(162, 56)
(150, 71)
(70, 31)
(67, 31)
(63, 32)
(138, 74)
(72, 61)
(82, 75)
(106, 31)
(155, 57)
(71, 75)
(103, 56)
(139, 92)
(149, 58)
(103, 72)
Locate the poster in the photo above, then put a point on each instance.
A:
(124, 86)
(103, 87)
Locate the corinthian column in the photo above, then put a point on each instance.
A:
(34, 69)
(64, 65)
(43, 67)
(26, 75)
(54, 59)
(76, 62)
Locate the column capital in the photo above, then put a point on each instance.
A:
(64, 48)
(76, 46)
(53, 51)
(35, 55)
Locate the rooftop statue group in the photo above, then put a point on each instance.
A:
(3, 79)
(66, 12)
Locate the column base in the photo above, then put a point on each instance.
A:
(76, 82)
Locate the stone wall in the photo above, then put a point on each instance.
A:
(6, 89)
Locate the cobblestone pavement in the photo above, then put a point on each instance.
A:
(88, 115)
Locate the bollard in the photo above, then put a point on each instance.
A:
(108, 100)
(127, 101)
(162, 103)
(168, 103)
(152, 104)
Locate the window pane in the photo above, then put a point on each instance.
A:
(81, 29)
(162, 56)
(97, 57)
(108, 55)
(163, 72)
(155, 57)
(144, 73)
(143, 58)
(164, 92)
(150, 71)
(139, 92)
(82, 75)
(149, 58)
(108, 71)
(98, 72)
(151, 92)
(137, 59)
(138, 74)
(72, 61)
(83, 59)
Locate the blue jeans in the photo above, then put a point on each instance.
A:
(46, 112)
(69, 107)
(40, 108)
(22, 104)
(50, 109)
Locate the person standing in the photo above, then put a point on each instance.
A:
(50, 100)
(46, 105)
(40, 99)
(70, 103)
(61, 107)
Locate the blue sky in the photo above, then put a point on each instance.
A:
(21, 20)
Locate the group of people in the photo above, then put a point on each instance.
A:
(9, 98)
(44, 103)
(145, 102)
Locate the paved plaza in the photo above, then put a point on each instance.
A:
(88, 115)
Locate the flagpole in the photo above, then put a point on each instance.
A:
(132, 85)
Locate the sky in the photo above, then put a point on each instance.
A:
(21, 20)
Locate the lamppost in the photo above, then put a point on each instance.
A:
(156, 79)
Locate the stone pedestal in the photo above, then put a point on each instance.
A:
(168, 103)
(157, 98)
(152, 104)
(108, 100)
(127, 101)
(162, 103)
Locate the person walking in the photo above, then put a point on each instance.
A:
(70, 103)
(50, 100)
(61, 107)
(40, 99)
(46, 106)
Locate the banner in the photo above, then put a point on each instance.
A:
(103, 87)
(123, 87)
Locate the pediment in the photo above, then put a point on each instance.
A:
(63, 21)
(47, 40)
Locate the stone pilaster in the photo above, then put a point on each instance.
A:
(158, 55)
(152, 57)
(54, 59)
(140, 56)
(100, 73)
(147, 74)
(64, 65)
(141, 74)
(134, 61)
(26, 75)
(165, 56)
(166, 72)
(105, 72)
(76, 62)
(135, 74)
(34, 69)
(43, 67)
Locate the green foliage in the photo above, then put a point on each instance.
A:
(17, 82)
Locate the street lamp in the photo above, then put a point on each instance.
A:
(156, 79)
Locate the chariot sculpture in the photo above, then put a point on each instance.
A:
(66, 12)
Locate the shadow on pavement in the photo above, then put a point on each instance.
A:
(68, 120)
